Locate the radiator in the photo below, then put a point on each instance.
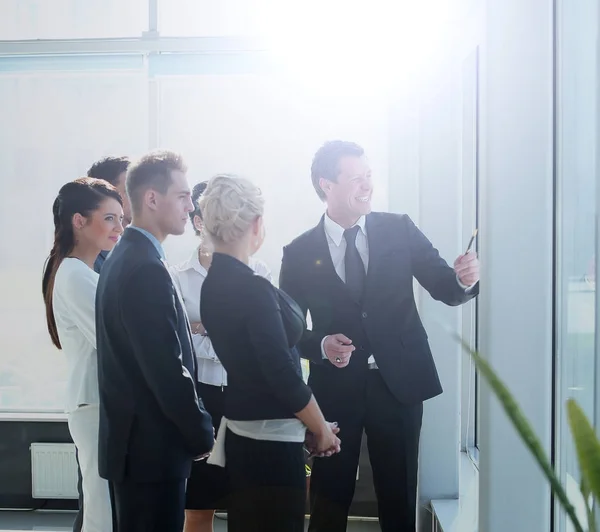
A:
(53, 471)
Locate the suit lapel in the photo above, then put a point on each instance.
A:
(175, 285)
(378, 242)
(186, 319)
(138, 239)
(322, 261)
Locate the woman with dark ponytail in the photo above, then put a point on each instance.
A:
(88, 217)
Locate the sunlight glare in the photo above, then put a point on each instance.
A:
(355, 46)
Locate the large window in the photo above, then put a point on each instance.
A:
(577, 178)
(242, 124)
(71, 19)
(54, 127)
(212, 18)
(56, 123)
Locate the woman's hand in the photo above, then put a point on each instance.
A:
(325, 443)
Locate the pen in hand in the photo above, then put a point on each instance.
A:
(471, 241)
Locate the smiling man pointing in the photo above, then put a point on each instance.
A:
(371, 367)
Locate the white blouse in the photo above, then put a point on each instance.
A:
(73, 302)
(189, 277)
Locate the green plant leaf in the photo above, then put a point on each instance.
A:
(528, 436)
(588, 448)
(585, 493)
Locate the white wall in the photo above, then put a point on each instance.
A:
(440, 219)
(516, 251)
(516, 300)
(427, 181)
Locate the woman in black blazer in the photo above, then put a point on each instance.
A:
(254, 328)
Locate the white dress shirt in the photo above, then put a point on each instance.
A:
(189, 277)
(337, 244)
(337, 248)
(73, 303)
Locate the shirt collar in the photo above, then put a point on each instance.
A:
(336, 232)
(152, 239)
(193, 263)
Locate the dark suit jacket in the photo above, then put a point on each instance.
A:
(387, 323)
(98, 263)
(152, 423)
(242, 315)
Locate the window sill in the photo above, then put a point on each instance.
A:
(34, 417)
(459, 515)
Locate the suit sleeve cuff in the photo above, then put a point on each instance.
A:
(323, 355)
(466, 288)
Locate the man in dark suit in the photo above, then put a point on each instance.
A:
(152, 423)
(371, 367)
(113, 170)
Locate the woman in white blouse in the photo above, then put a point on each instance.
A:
(88, 218)
(207, 488)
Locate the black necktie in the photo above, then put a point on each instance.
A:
(355, 268)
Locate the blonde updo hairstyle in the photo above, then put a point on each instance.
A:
(230, 205)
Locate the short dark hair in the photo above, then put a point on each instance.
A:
(152, 171)
(197, 191)
(326, 161)
(109, 169)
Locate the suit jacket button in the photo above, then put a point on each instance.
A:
(364, 314)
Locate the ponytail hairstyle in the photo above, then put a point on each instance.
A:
(82, 196)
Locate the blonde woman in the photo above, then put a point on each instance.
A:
(207, 487)
(254, 328)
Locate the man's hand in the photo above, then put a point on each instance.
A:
(338, 349)
(467, 268)
(205, 455)
(198, 328)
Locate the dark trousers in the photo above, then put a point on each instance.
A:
(148, 506)
(393, 432)
(268, 485)
(79, 517)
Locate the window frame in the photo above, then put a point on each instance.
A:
(470, 219)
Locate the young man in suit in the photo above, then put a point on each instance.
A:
(371, 367)
(152, 423)
(113, 170)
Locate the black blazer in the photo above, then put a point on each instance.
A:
(387, 323)
(152, 423)
(254, 329)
